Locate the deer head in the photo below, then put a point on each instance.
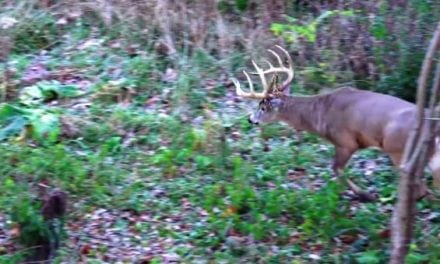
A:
(271, 98)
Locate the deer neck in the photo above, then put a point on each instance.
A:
(304, 113)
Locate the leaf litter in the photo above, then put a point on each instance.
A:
(115, 235)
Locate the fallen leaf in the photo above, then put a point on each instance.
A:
(230, 210)
(384, 233)
(348, 239)
(15, 232)
(85, 250)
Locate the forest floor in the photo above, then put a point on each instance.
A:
(161, 166)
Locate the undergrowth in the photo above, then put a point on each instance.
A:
(146, 124)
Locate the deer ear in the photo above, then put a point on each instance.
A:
(276, 102)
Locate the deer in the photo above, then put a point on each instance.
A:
(349, 118)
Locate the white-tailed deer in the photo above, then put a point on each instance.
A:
(349, 118)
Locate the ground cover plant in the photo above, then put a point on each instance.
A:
(128, 108)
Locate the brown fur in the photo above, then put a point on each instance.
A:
(349, 118)
(350, 126)
(353, 119)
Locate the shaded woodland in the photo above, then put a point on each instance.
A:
(122, 139)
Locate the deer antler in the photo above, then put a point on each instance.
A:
(267, 88)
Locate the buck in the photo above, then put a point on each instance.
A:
(349, 118)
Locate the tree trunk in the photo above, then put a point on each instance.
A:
(415, 159)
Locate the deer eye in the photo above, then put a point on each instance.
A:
(263, 108)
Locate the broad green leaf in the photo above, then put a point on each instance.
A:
(16, 125)
(45, 123)
(9, 183)
(46, 90)
(369, 257)
(31, 95)
(62, 90)
(8, 111)
(203, 161)
(291, 31)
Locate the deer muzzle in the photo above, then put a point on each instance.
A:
(252, 121)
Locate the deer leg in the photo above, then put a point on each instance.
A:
(342, 156)
(421, 189)
(434, 165)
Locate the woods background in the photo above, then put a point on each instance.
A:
(128, 107)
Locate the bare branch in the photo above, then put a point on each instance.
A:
(415, 158)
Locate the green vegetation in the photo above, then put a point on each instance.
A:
(129, 109)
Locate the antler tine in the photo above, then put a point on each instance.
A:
(280, 62)
(238, 89)
(280, 69)
(251, 93)
(260, 72)
(251, 85)
(291, 72)
(268, 62)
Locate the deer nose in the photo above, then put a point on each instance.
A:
(252, 122)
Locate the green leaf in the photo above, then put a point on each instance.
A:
(7, 111)
(291, 31)
(379, 30)
(369, 257)
(43, 122)
(14, 127)
(47, 90)
(347, 13)
(414, 258)
(277, 28)
(31, 95)
(12, 120)
(241, 4)
(324, 15)
(9, 183)
(203, 161)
